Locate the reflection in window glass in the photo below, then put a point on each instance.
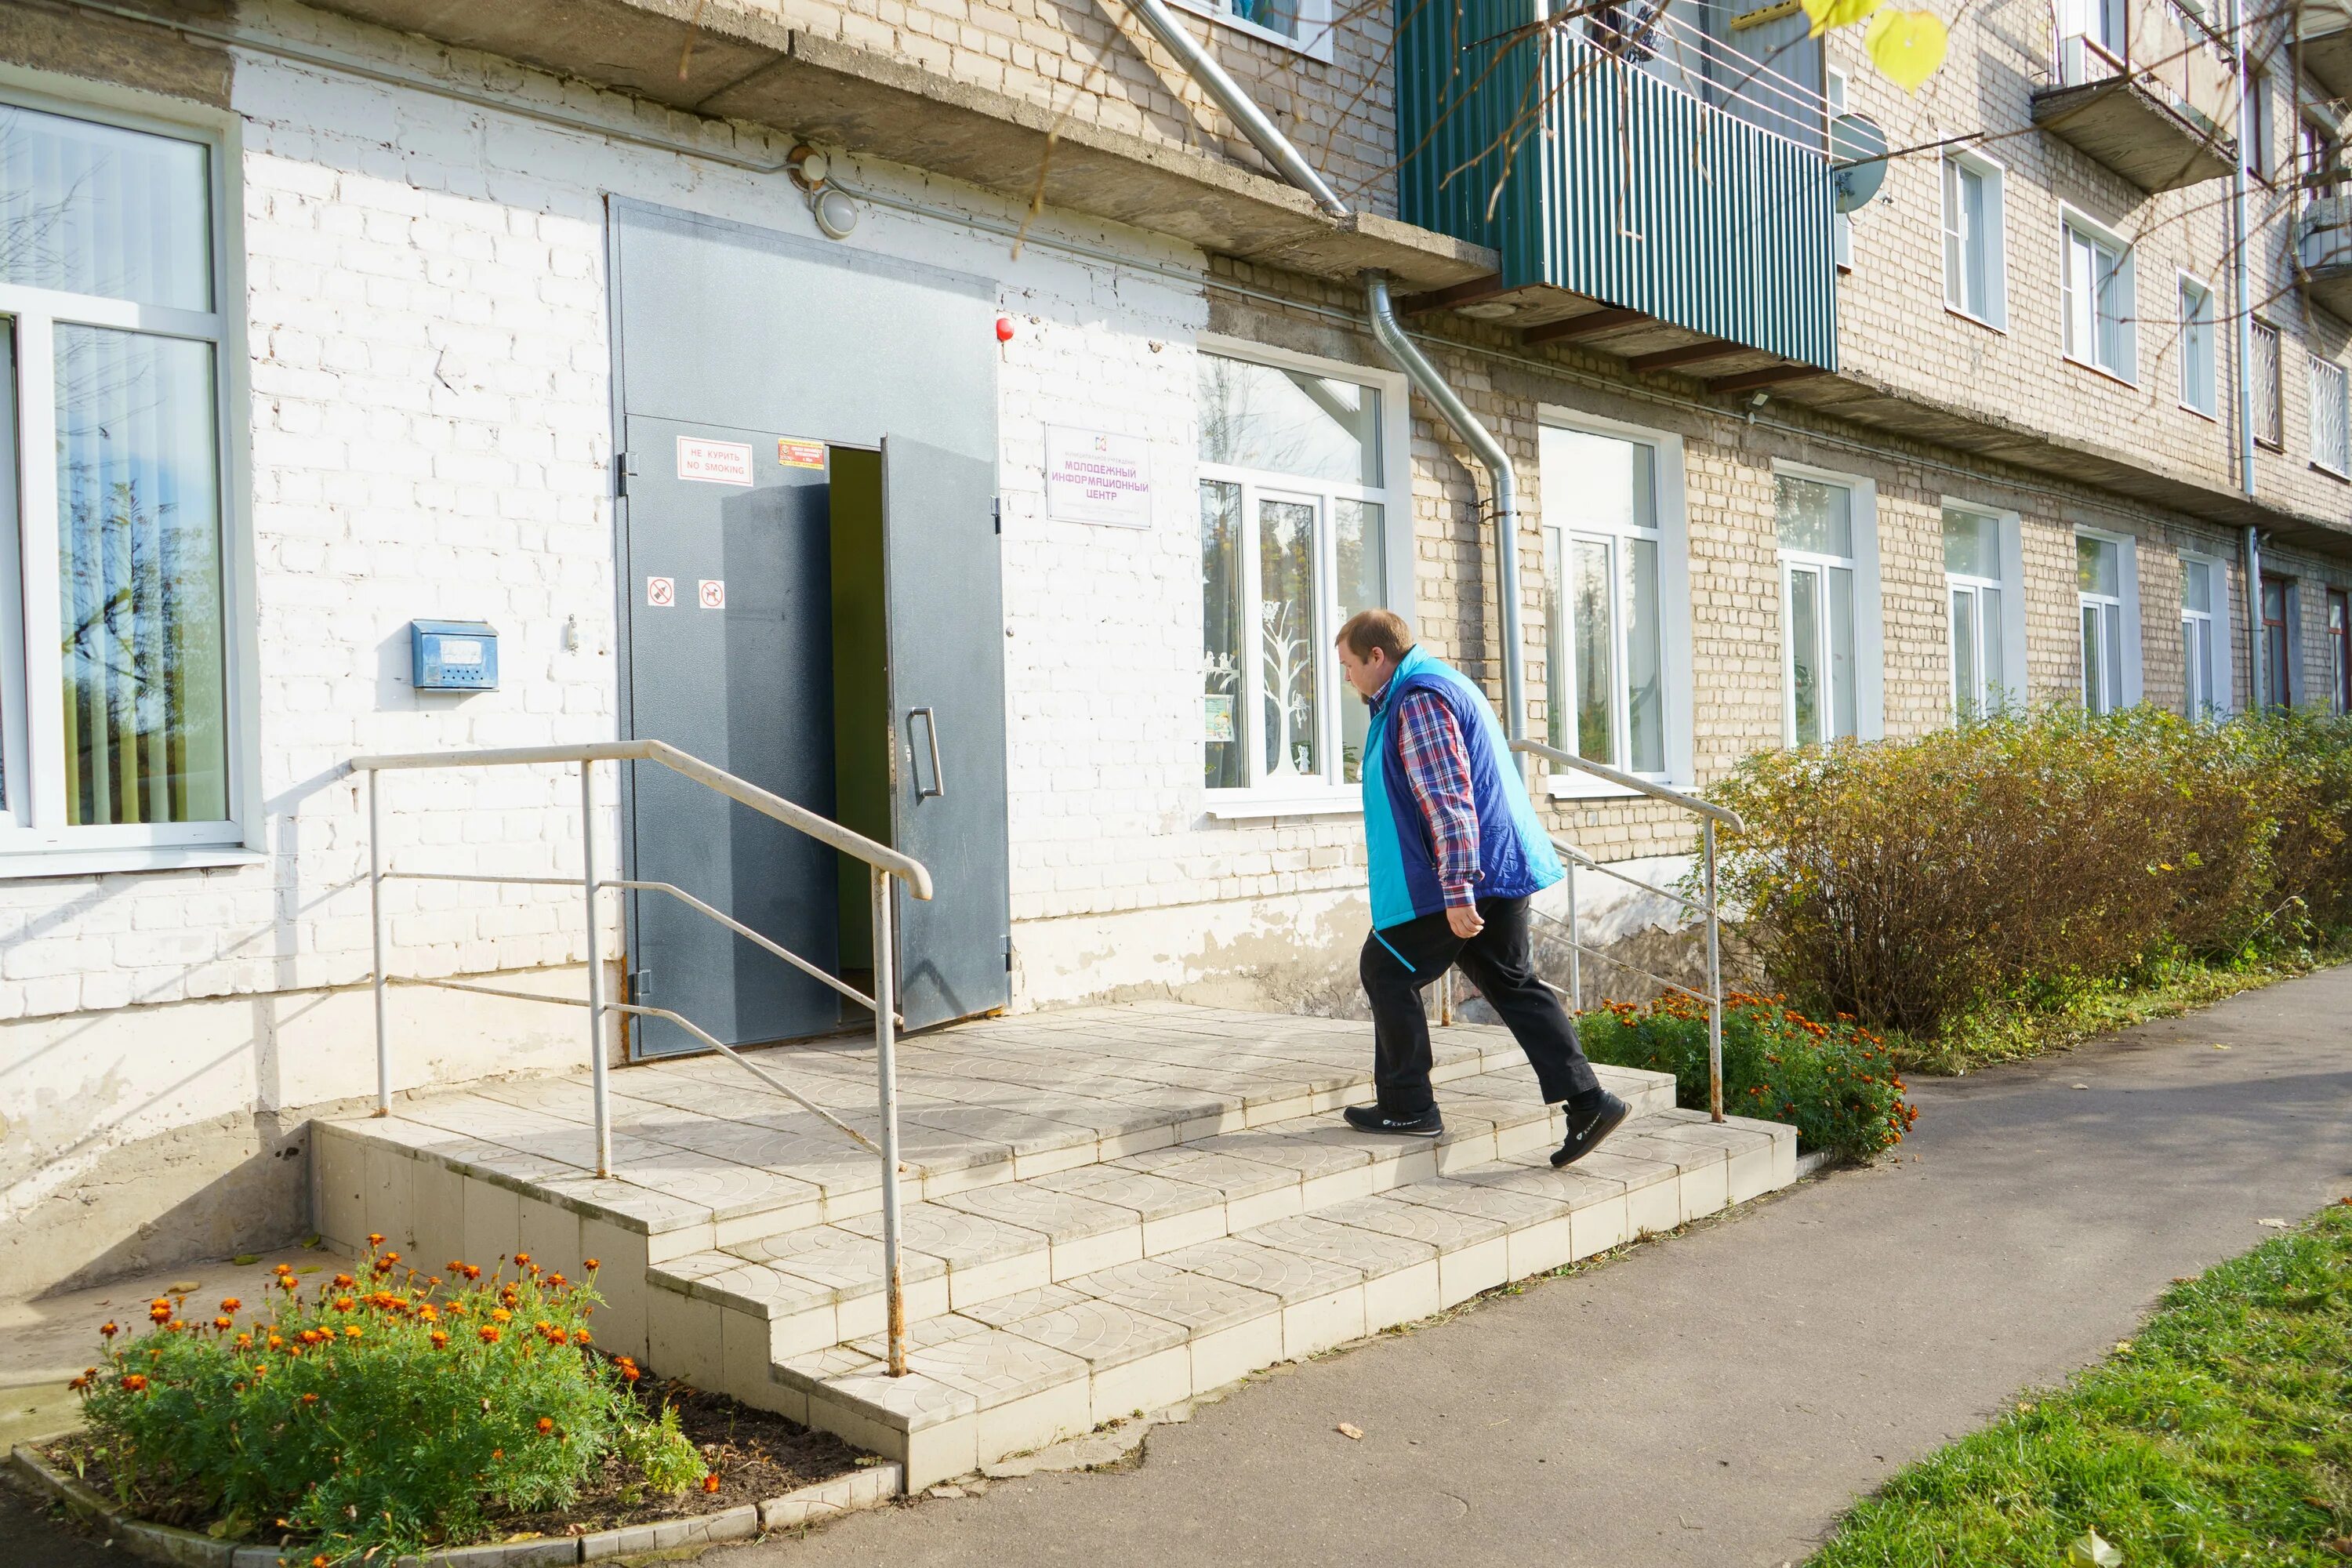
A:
(2095, 567)
(96, 209)
(138, 579)
(1601, 604)
(1222, 627)
(1596, 643)
(1804, 654)
(1290, 645)
(1815, 517)
(1971, 544)
(1288, 421)
(1646, 718)
(1358, 537)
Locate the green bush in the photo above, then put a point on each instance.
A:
(384, 1412)
(1836, 1083)
(2025, 859)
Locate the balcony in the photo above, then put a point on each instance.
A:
(2323, 253)
(1656, 189)
(2324, 41)
(2144, 96)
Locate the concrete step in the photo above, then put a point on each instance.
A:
(1053, 1361)
(818, 1285)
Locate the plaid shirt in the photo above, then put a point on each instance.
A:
(1438, 767)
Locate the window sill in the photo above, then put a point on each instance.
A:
(1584, 786)
(2319, 468)
(25, 865)
(1970, 316)
(2102, 372)
(2201, 413)
(1319, 47)
(1241, 807)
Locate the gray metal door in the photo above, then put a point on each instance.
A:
(947, 696)
(730, 657)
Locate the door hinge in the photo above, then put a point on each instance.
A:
(641, 985)
(996, 510)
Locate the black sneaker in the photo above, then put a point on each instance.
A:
(1587, 1127)
(1372, 1119)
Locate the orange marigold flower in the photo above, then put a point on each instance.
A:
(429, 1313)
(174, 1326)
(630, 1375)
(288, 1282)
(245, 1341)
(276, 1343)
(77, 1385)
(440, 1340)
(320, 1561)
(344, 1303)
(375, 1239)
(710, 1482)
(545, 1425)
(160, 1312)
(590, 1263)
(310, 1399)
(579, 1336)
(489, 1334)
(556, 1282)
(498, 1453)
(472, 1272)
(522, 1259)
(135, 1381)
(109, 1329)
(224, 1322)
(230, 1304)
(500, 1315)
(352, 1330)
(344, 1281)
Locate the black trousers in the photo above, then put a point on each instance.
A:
(1400, 961)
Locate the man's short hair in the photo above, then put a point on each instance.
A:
(1382, 629)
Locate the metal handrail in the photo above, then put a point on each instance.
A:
(1710, 815)
(882, 864)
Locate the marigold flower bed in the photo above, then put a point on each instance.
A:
(386, 1411)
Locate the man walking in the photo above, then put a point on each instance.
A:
(1456, 853)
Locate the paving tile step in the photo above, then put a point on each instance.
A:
(1054, 1360)
(819, 1285)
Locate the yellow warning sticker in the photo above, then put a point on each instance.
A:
(795, 453)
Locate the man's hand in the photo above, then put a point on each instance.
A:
(1465, 920)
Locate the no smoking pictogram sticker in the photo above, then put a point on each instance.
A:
(661, 592)
(713, 594)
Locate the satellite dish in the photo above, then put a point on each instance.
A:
(1857, 159)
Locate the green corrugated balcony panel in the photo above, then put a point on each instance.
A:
(1652, 157)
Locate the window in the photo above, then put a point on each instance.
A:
(1292, 542)
(2270, 414)
(2098, 568)
(2097, 299)
(1972, 578)
(1817, 607)
(2196, 378)
(1605, 671)
(1841, 223)
(1973, 281)
(114, 715)
(2339, 650)
(2331, 439)
(1304, 25)
(2258, 124)
(2091, 40)
(2278, 643)
(2204, 690)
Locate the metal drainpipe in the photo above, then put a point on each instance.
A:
(1502, 481)
(2244, 339)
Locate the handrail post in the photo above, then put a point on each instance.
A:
(597, 1070)
(375, 924)
(886, 1073)
(1575, 942)
(1714, 982)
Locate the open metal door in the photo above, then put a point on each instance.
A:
(947, 710)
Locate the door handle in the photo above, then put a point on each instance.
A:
(931, 729)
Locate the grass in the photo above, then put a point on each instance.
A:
(2220, 1434)
(2162, 990)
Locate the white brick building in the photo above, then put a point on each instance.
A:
(402, 252)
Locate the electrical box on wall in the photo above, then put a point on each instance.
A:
(453, 656)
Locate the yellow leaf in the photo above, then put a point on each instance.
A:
(1828, 14)
(1907, 46)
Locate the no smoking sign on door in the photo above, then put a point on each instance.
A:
(661, 593)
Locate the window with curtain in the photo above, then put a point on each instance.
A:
(1292, 542)
(2278, 644)
(2262, 372)
(1605, 644)
(2201, 601)
(2339, 651)
(2196, 378)
(1980, 608)
(2098, 582)
(114, 727)
(1817, 609)
(1973, 237)
(2331, 440)
(2097, 301)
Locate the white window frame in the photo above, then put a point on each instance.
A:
(2073, 222)
(2270, 414)
(2184, 280)
(1329, 794)
(2010, 546)
(1833, 88)
(2217, 672)
(2124, 603)
(1995, 313)
(2323, 373)
(1315, 26)
(36, 840)
(1672, 533)
(1869, 623)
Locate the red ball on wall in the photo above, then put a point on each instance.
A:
(1004, 329)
